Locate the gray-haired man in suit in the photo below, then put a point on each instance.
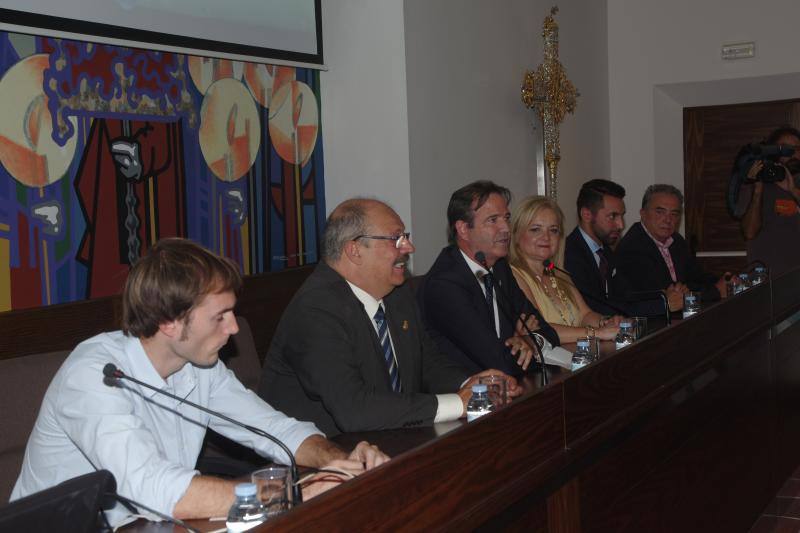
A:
(350, 352)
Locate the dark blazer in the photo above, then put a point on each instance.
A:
(643, 266)
(455, 312)
(579, 262)
(325, 363)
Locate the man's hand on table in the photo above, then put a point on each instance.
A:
(364, 456)
(513, 388)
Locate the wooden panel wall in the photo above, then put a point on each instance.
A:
(713, 136)
(62, 327)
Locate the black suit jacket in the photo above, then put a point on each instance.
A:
(455, 312)
(643, 266)
(325, 363)
(580, 263)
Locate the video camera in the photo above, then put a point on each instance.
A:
(772, 171)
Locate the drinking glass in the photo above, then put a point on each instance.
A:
(496, 389)
(639, 326)
(691, 303)
(274, 488)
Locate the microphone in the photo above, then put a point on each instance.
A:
(481, 258)
(661, 295)
(131, 505)
(112, 374)
(749, 267)
(549, 266)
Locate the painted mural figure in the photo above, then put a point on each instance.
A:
(141, 202)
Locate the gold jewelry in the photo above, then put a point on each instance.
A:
(557, 295)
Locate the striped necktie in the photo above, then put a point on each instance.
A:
(388, 353)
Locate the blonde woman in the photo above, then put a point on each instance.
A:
(537, 227)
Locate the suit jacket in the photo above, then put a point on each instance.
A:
(580, 263)
(644, 267)
(325, 363)
(455, 312)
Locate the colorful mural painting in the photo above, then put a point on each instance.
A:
(105, 149)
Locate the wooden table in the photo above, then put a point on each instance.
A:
(693, 428)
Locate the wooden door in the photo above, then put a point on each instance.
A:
(712, 137)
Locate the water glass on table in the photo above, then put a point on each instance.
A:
(639, 326)
(496, 389)
(691, 303)
(274, 489)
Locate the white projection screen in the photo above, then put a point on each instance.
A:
(266, 31)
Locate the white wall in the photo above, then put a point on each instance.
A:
(664, 56)
(363, 92)
(465, 62)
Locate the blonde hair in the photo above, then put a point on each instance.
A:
(521, 218)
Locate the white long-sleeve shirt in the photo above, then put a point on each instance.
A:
(148, 441)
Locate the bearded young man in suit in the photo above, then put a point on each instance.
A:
(473, 324)
(350, 352)
(589, 249)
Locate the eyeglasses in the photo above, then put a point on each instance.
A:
(399, 240)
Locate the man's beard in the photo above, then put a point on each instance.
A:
(609, 238)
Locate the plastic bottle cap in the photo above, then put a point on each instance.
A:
(583, 344)
(624, 324)
(480, 387)
(245, 489)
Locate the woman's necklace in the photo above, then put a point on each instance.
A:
(557, 297)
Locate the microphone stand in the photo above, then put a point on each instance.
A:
(112, 373)
(481, 258)
(550, 266)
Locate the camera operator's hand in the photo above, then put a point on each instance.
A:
(758, 186)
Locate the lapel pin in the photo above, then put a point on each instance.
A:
(405, 325)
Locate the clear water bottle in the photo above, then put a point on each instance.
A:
(247, 511)
(625, 335)
(759, 275)
(582, 355)
(479, 404)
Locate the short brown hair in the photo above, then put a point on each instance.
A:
(461, 208)
(173, 277)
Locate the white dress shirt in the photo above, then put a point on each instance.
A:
(479, 272)
(148, 441)
(449, 406)
(592, 244)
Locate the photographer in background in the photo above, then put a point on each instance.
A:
(770, 202)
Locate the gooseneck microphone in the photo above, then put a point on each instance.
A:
(549, 266)
(112, 374)
(481, 258)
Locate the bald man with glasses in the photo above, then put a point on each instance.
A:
(350, 353)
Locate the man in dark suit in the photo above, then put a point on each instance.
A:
(350, 352)
(589, 249)
(654, 256)
(469, 298)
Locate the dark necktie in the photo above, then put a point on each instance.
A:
(488, 283)
(603, 266)
(386, 344)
